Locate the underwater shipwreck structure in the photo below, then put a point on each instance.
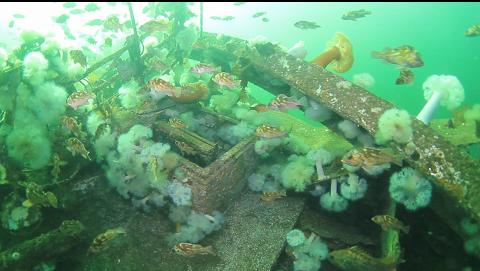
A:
(213, 174)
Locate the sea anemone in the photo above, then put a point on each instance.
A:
(29, 146)
(295, 238)
(440, 89)
(365, 80)
(298, 173)
(354, 188)
(35, 68)
(298, 50)
(350, 130)
(394, 124)
(410, 188)
(333, 201)
(339, 54)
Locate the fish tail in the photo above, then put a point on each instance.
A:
(209, 250)
(376, 54)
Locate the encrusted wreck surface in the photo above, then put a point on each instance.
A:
(453, 172)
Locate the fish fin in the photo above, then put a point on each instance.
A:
(398, 160)
(406, 229)
(303, 101)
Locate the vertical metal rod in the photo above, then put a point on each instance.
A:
(201, 19)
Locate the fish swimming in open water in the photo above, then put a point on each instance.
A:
(405, 56)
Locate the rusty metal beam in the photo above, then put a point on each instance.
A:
(456, 175)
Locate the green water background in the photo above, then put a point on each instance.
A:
(436, 30)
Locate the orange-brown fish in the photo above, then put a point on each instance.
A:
(260, 107)
(282, 102)
(191, 93)
(224, 79)
(177, 123)
(156, 25)
(100, 242)
(356, 259)
(185, 148)
(269, 132)
(78, 57)
(203, 68)
(72, 125)
(271, 196)
(368, 157)
(189, 250)
(390, 223)
(79, 98)
(162, 86)
(406, 77)
(405, 56)
(74, 145)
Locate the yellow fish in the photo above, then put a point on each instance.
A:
(269, 132)
(100, 242)
(271, 196)
(74, 145)
(189, 250)
(473, 31)
(405, 56)
(390, 223)
(177, 123)
(406, 77)
(356, 259)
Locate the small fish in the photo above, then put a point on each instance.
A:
(153, 165)
(355, 14)
(217, 18)
(162, 86)
(156, 25)
(112, 23)
(37, 196)
(405, 56)
(239, 3)
(406, 77)
(306, 25)
(57, 163)
(61, 19)
(356, 259)
(76, 11)
(79, 98)
(271, 196)
(260, 107)
(19, 16)
(283, 103)
(91, 7)
(69, 5)
(259, 14)
(189, 250)
(102, 129)
(177, 123)
(101, 241)
(72, 125)
(228, 18)
(184, 148)
(224, 79)
(94, 22)
(74, 145)
(473, 31)
(78, 57)
(203, 68)
(367, 158)
(265, 20)
(390, 223)
(269, 132)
